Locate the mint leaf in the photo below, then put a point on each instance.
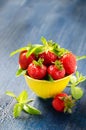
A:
(23, 97)
(18, 50)
(17, 110)
(31, 110)
(73, 79)
(77, 74)
(50, 78)
(20, 72)
(44, 41)
(80, 57)
(76, 92)
(39, 49)
(34, 49)
(60, 51)
(10, 94)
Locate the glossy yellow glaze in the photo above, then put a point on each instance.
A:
(47, 89)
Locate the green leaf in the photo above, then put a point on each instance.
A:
(80, 78)
(10, 94)
(23, 97)
(34, 49)
(80, 57)
(76, 92)
(60, 51)
(17, 110)
(73, 79)
(18, 50)
(44, 41)
(20, 72)
(31, 110)
(77, 74)
(76, 79)
(39, 49)
(50, 78)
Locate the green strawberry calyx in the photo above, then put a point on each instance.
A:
(68, 103)
(39, 62)
(58, 64)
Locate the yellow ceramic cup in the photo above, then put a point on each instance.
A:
(47, 89)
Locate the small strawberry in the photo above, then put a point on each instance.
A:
(25, 61)
(63, 103)
(37, 70)
(49, 57)
(56, 71)
(69, 62)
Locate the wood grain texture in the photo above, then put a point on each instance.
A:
(23, 21)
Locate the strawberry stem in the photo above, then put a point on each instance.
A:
(68, 103)
(58, 64)
(39, 62)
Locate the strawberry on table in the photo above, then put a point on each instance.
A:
(69, 62)
(25, 61)
(56, 71)
(37, 70)
(63, 103)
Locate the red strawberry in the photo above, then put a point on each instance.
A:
(24, 61)
(56, 71)
(69, 62)
(48, 57)
(37, 70)
(63, 103)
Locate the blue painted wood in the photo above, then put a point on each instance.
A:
(23, 21)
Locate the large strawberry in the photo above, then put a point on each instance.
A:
(25, 61)
(63, 103)
(49, 57)
(69, 62)
(37, 70)
(56, 71)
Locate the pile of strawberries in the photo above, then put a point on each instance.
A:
(47, 60)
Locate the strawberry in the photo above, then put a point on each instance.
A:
(69, 62)
(25, 61)
(63, 103)
(56, 71)
(49, 57)
(37, 70)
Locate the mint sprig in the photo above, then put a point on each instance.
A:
(75, 80)
(22, 104)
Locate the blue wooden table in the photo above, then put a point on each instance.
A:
(23, 21)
